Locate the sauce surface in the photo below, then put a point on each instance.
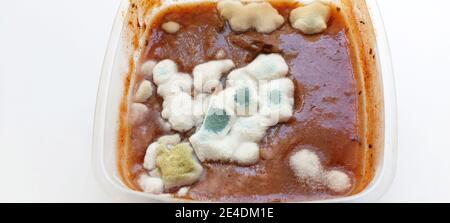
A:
(326, 116)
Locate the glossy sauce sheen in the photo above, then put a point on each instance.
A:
(326, 116)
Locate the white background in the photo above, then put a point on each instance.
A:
(51, 52)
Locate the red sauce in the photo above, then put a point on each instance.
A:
(326, 117)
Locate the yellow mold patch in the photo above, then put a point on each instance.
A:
(177, 165)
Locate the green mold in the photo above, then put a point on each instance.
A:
(242, 96)
(275, 97)
(216, 120)
(177, 165)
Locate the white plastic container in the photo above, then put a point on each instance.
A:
(110, 92)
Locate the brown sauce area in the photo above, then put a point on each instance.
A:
(327, 116)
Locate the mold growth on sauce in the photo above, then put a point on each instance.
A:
(260, 16)
(236, 123)
(311, 19)
(324, 113)
(171, 27)
(308, 168)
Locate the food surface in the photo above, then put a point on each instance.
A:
(247, 102)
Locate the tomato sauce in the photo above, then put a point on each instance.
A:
(327, 103)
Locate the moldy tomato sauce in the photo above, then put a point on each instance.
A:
(326, 117)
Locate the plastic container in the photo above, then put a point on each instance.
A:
(111, 88)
